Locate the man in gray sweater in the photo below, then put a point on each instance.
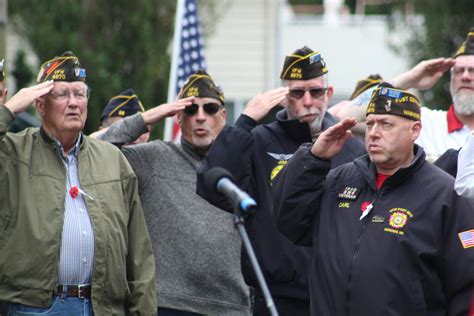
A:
(197, 248)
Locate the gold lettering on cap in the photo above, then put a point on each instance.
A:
(296, 73)
(193, 92)
(58, 75)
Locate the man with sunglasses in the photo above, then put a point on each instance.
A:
(73, 236)
(254, 155)
(197, 248)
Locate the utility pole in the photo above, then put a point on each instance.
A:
(3, 27)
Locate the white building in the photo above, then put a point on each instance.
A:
(245, 53)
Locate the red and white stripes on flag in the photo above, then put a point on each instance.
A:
(187, 58)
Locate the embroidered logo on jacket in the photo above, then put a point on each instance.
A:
(399, 217)
(282, 161)
(349, 193)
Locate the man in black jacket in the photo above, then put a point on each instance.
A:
(389, 234)
(255, 154)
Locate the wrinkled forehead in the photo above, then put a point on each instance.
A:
(464, 61)
(76, 85)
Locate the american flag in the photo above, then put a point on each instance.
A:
(467, 238)
(190, 52)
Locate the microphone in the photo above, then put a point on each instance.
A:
(219, 180)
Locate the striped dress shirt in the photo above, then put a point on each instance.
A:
(77, 244)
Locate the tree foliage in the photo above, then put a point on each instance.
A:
(122, 44)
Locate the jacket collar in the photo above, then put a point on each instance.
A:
(190, 150)
(57, 145)
(454, 124)
(368, 170)
(300, 131)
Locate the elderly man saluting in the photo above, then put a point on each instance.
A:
(72, 233)
(389, 234)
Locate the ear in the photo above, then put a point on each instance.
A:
(223, 115)
(329, 93)
(179, 117)
(40, 106)
(415, 130)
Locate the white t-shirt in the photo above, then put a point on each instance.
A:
(464, 184)
(440, 131)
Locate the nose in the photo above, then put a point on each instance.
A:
(307, 99)
(200, 115)
(373, 131)
(467, 74)
(72, 100)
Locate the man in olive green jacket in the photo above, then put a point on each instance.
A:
(73, 239)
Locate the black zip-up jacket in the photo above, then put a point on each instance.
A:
(406, 257)
(254, 155)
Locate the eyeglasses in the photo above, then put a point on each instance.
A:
(458, 71)
(315, 92)
(63, 95)
(209, 108)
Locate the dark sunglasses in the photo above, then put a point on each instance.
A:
(315, 92)
(209, 108)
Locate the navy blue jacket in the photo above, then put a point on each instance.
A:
(406, 257)
(254, 156)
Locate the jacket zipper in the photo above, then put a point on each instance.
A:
(354, 255)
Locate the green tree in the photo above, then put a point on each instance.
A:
(121, 43)
(22, 72)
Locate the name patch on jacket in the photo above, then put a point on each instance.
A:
(349, 193)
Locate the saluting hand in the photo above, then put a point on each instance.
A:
(158, 113)
(330, 142)
(424, 75)
(24, 98)
(262, 103)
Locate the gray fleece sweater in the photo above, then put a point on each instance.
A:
(197, 248)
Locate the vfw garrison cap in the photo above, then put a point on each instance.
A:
(389, 100)
(62, 68)
(122, 105)
(365, 84)
(201, 85)
(303, 64)
(467, 47)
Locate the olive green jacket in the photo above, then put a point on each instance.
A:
(32, 193)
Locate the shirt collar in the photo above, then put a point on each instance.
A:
(454, 124)
(74, 150)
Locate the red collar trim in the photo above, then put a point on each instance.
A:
(454, 123)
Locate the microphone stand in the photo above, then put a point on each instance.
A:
(239, 224)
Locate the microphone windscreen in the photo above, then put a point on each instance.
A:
(212, 177)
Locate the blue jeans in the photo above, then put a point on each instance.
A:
(60, 306)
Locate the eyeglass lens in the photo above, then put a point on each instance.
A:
(209, 108)
(299, 93)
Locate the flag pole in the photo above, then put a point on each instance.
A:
(168, 133)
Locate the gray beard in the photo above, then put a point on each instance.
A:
(315, 127)
(464, 103)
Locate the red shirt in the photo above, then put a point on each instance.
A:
(381, 179)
